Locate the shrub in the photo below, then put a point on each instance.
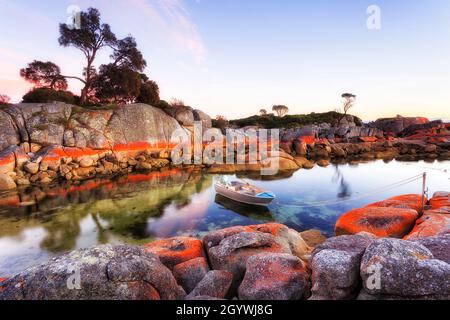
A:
(44, 95)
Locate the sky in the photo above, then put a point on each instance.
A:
(234, 57)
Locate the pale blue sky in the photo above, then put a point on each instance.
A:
(234, 57)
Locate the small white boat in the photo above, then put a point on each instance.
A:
(244, 192)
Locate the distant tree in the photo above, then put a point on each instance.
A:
(4, 99)
(281, 110)
(89, 39)
(263, 112)
(44, 75)
(149, 93)
(348, 101)
(174, 102)
(221, 123)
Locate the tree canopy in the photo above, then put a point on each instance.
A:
(121, 80)
(348, 101)
(44, 75)
(281, 110)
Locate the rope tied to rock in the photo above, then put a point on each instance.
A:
(363, 195)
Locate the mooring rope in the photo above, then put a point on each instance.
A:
(445, 169)
(363, 195)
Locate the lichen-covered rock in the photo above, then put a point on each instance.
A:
(104, 272)
(432, 223)
(7, 160)
(398, 124)
(335, 275)
(190, 273)
(440, 199)
(396, 267)
(289, 237)
(380, 221)
(407, 201)
(173, 251)
(438, 245)
(274, 276)
(215, 284)
(140, 122)
(9, 135)
(43, 123)
(204, 118)
(335, 266)
(231, 253)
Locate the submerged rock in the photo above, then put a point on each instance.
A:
(394, 267)
(274, 276)
(103, 272)
(382, 222)
(313, 237)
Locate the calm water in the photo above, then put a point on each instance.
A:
(139, 208)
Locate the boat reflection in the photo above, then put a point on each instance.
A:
(247, 210)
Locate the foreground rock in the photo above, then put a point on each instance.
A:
(397, 268)
(106, 272)
(438, 245)
(177, 250)
(215, 284)
(190, 273)
(335, 267)
(229, 249)
(274, 276)
(380, 221)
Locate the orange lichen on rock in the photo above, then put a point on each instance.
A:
(440, 201)
(368, 139)
(380, 221)
(432, 223)
(407, 201)
(173, 251)
(7, 161)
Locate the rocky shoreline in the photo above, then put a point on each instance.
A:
(388, 250)
(46, 143)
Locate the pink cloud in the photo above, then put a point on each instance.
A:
(173, 18)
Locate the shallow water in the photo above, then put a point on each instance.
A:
(138, 208)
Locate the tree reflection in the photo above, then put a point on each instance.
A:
(344, 187)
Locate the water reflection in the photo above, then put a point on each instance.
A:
(344, 187)
(36, 224)
(247, 210)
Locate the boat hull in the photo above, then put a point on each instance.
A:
(239, 197)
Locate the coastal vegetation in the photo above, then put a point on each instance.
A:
(119, 81)
(270, 121)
